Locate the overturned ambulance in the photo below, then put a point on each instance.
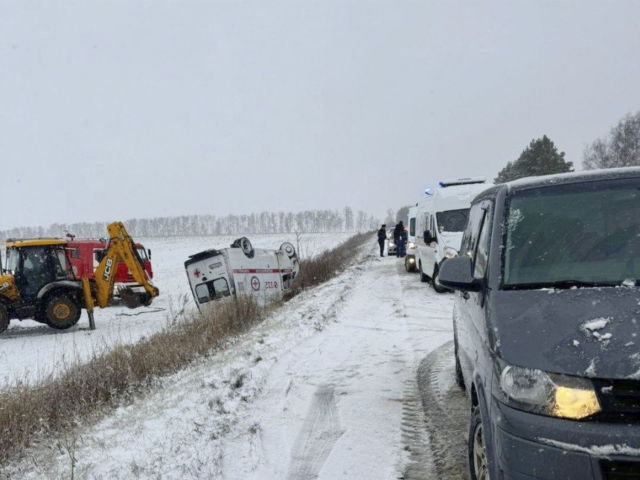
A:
(242, 270)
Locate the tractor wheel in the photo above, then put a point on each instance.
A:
(4, 318)
(62, 312)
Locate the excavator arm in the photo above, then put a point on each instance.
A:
(120, 249)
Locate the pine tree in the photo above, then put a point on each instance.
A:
(541, 157)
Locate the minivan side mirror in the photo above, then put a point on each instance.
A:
(149, 253)
(456, 274)
(428, 237)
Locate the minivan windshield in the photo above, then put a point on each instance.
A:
(453, 220)
(581, 234)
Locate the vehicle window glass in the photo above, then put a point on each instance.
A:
(97, 257)
(61, 263)
(13, 258)
(581, 234)
(453, 220)
(221, 288)
(142, 253)
(482, 251)
(74, 252)
(470, 238)
(412, 227)
(202, 292)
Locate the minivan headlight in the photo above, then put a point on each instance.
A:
(411, 245)
(450, 252)
(545, 393)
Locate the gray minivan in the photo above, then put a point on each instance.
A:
(547, 327)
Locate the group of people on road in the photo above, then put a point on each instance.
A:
(399, 239)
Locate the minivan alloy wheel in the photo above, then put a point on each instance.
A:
(480, 463)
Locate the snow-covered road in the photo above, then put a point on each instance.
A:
(334, 405)
(326, 388)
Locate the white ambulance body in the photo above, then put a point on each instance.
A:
(242, 270)
(441, 219)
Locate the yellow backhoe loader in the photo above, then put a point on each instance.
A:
(38, 282)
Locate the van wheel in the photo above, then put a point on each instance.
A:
(478, 457)
(436, 282)
(4, 318)
(62, 312)
(246, 247)
(423, 277)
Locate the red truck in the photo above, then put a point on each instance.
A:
(85, 255)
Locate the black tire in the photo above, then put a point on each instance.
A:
(289, 249)
(459, 376)
(423, 277)
(478, 456)
(4, 318)
(246, 247)
(435, 281)
(61, 311)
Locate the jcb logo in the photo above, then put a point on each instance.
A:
(107, 270)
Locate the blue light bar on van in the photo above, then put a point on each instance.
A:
(428, 192)
(462, 181)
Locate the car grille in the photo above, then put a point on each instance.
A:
(619, 399)
(620, 470)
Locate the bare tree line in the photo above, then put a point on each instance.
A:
(310, 221)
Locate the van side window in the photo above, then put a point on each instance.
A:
(470, 239)
(484, 242)
(412, 227)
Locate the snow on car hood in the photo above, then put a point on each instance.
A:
(588, 332)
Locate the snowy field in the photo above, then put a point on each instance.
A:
(30, 350)
(325, 388)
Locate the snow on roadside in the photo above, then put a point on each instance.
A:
(318, 388)
(30, 350)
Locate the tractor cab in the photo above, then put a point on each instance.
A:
(35, 264)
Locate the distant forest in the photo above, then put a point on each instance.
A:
(312, 221)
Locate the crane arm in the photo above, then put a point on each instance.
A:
(121, 249)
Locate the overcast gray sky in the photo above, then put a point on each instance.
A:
(111, 110)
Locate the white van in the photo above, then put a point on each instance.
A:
(441, 218)
(242, 270)
(410, 259)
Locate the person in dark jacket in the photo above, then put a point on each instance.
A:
(397, 233)
(382, 237)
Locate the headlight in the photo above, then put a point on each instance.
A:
(391, 244)
(412, 260)
(547, 393)
(411, 245)
(450, 252)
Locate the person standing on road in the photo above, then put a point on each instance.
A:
(397, 233)
(401, 246)
(382, 237)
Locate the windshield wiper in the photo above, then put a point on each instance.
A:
(560, 284)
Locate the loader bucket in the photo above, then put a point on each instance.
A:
(134, 299)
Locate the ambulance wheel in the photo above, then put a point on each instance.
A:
(4, 318)
(423, 277)
(62, 312)
(289, 249)
(436, 282)
(246, 247)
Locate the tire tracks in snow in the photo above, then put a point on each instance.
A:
(319, 434)
(447, 414)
